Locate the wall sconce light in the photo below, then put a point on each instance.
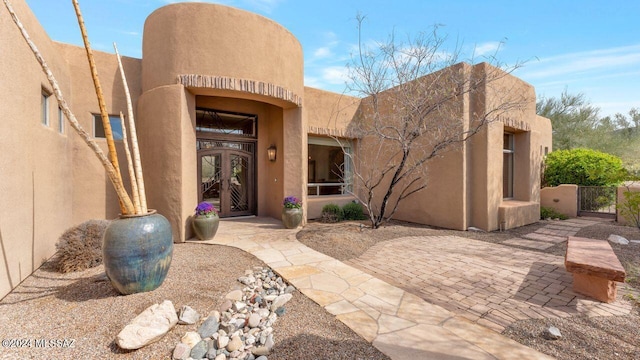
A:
(271, 153)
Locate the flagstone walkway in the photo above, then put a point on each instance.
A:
(399, 323)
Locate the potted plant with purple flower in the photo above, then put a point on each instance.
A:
(291, 212)
(205, 221)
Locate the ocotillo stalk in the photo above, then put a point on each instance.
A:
(132, 174)
(113, 155)
(115, 180)
(134, 137)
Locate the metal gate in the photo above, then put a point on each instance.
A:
(597, 201)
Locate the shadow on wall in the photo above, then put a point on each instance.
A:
(5, 260)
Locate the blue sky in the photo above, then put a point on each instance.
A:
(584, 46)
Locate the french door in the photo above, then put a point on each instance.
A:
(226, 176)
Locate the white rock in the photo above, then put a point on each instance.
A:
(264, 313)
(239, 305)
(254, 320)
(152, 324)
(234, 344)
(280, 301)
(181, 351)
(221, 357)
(471, 228)
(191, 338)
(223, 341)
(188, 316)
(235, 295)
(553, 333)
(617, 239)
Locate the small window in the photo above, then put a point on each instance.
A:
(508, 150)
(60, 121)
(44, 107)
(116, 127)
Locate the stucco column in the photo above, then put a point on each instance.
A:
(166, 132)
(295, 154)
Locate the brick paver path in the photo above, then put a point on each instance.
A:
(490, 284)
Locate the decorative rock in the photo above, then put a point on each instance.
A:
(239, 305)
(280, 311)
(152, 324)
(553, 333)
(199, 350)
(221, 357)
(234, 344)
(617, 239)
(191, 338)
(212, 354)
(208, 327)
(215, 314)
(264, 313)
(269, 343)
(188, 316)
(270, 297)
(254, 320)
(223, 341)
(289, 289)
(280, 301)
(261, 358)
(225, 306)
(260, 351)
(181, 352)
(235, 295)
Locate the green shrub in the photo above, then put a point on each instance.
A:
(584, 167)
(331, 213)
(549, 213)
(353, 211)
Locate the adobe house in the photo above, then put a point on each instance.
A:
(223, 116)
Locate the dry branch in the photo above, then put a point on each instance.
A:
(113, 155)
(134, 140)
(132, 174)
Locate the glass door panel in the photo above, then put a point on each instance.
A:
(210, 180)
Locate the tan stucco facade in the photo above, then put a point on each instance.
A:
(208, 56)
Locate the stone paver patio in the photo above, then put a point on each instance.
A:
(398, 322)
(490, 284)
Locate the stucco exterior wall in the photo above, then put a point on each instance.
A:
(562, 198)
(91, 178)
(35, 189)
(211, 39)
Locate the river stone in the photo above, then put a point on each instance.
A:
(181, 352)
(199, 350)
(617, 239)
(234, 344)
(223, 341)
(280, 301)
(225, 306)
(152, 324)
(553, 333)
(235, 295)
(260, 351)
(280, 311)
(254, 320)
(208, 327)
(190, 338)
(289, 289)
(188, 316)
(261, 358)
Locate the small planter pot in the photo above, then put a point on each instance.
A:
(291, 217)
(137, 251)
(205, 227)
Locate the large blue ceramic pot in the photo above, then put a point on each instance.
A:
(137, 252)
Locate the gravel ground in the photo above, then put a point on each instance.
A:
(83, 307)
(583, 338)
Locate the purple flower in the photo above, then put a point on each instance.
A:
(292, 202)
(206, 209)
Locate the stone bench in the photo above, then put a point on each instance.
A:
(595, 268)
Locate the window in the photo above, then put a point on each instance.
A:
(44, 107)
(60, 121)
(507, 167)
(116, 127)
(329, 167)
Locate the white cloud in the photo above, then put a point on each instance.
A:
(335, 75)
(322, 52)
(487, 48)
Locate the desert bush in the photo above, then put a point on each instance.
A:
(630, 207)
(584, 167)
(80, 247)
(331, 213)
(353, 211)
(549, 213)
